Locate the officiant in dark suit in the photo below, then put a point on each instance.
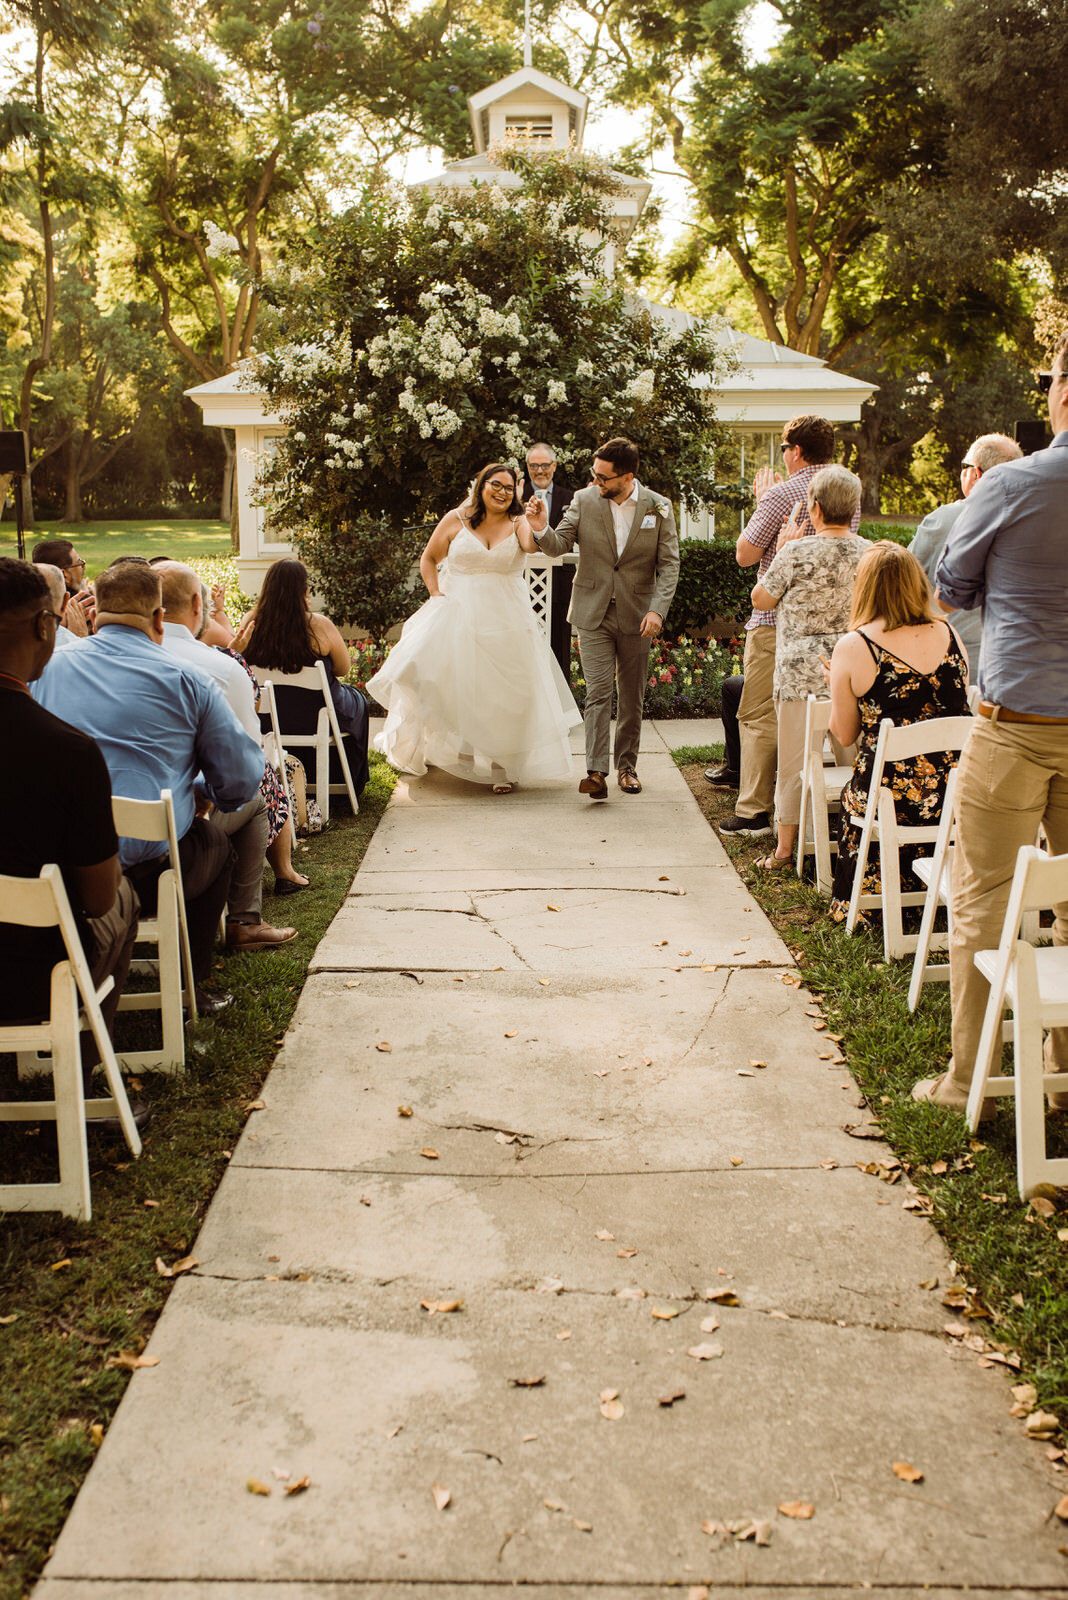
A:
(540, 481)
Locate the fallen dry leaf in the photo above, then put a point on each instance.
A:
(5, 1322)
(601, 1074)
(906, 1473)
(510, 1033)
(665, 1313)
(552, 908)
(1042, 1206)
(800, 1510)
(1061, 1509)
(612, 1410)
(545, 982)
(736, 1161)
(96, 1434)
(57, 1266)
(828, 1165)
(255, 1105)
(186, 1264)
(553, 1505)
(442, 1496)
(404, 1111)
(669, 1399)
(630, 1293)
(1041, 1425)
(442, 1306)
(298, 1486)
(722, 1297)
(583, 1527)
(431, 1155)
(152, 1204)
(254, 1486)
(697, 1591)
(608, 1394)
(819, 1027)
(527, 1383)
(705, 1352)
(663, 878)
(353, 983)
(603, 1234)
(565, 1333)
(626, 1253)
(549, 1286)
(384, 1045)
(127, 1361)
(709, 1324)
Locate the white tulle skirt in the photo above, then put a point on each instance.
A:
(472, 687)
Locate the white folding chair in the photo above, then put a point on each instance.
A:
(975, 694)
(274, 750)
(933, 872)
(1033, 984)
(75, 1004)
(821, 792)
(168, 930)
(932, 737)
(327, 731)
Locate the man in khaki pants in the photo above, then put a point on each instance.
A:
(627, 571)
(807, 445)
(1008, 552)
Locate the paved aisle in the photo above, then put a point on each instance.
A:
(573, 998)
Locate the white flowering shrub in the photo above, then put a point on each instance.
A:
(423, 335)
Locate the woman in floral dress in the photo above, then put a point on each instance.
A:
(809, 586)
(902, 662)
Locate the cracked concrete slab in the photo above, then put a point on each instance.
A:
(603, 929)
(637, 879)
(376, 1402)
(75, 1589)
(600, 1075)
(665, 1233)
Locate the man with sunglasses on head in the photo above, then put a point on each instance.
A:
(929, 540)
(807, 445)
(1008, 553)
(628, 567)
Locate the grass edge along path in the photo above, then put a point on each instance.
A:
(1010, 1290)
(78, 1301)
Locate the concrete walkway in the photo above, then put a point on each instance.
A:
(683, 1306)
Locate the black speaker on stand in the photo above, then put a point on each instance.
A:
(15, 459)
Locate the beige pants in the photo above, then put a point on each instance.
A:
(791, 729)
(611, 656)
(1012, 777)
(757, 724)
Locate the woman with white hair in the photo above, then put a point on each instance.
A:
(809, 586)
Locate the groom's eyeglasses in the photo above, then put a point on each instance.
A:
(599, 477)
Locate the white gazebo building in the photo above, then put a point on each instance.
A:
(771, 383)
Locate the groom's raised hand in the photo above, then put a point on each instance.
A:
(536, 514)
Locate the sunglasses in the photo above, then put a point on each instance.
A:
(1045, 380)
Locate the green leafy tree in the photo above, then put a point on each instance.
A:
(786, 156)
(423, 335)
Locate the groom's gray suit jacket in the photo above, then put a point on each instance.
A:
(642, 579)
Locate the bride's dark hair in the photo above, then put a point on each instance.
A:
(477, 504)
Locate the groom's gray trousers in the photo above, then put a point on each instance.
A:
(611, 656)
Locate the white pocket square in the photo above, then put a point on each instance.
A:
(649, 521)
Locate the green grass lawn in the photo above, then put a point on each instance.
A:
(101, 542)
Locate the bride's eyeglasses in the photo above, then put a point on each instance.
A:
(501, 488)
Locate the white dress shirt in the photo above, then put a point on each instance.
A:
(623, 516)
(230, 675)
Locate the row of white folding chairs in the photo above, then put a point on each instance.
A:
(313, 680)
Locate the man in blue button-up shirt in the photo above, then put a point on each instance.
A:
(1008, 553)
(164, 725)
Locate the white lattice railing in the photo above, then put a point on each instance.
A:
(540, 584)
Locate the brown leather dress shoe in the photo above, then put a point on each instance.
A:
(595, 785)
(256, 936)
(628, 781)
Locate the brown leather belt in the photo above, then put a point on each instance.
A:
(1003, 714)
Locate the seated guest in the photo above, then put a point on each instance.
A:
(902, 662)
(160, 724)
(67, 820)
(217, 630)
(78, 616)
(185, 614)
(283, 634)
(809, 586)
(60, 596)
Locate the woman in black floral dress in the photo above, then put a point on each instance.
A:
(901, 662)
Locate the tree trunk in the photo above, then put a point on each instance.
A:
(235, 522)
(73, 480)
(26, 490)
(227, 497)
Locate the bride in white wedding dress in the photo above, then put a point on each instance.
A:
(471, 685)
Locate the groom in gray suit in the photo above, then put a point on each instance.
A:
(627, 571)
